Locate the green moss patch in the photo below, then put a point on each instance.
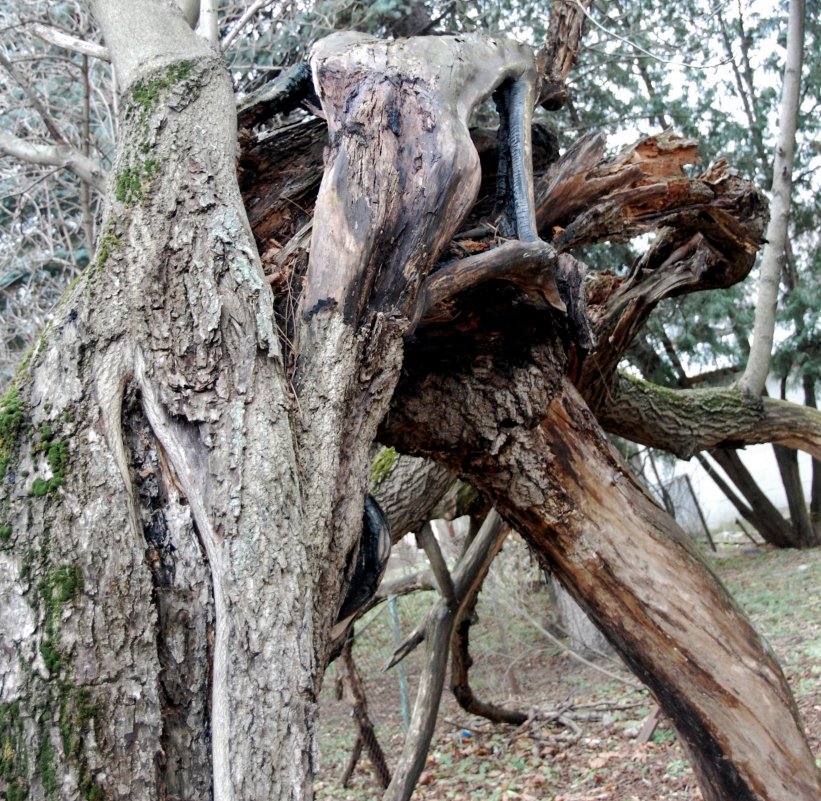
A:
(46, 767)
(60, 587)
(56, 453)
(131, 186)
(382, 465)
(75, 722)
(12, 420)
(147, 93)
(13, 756)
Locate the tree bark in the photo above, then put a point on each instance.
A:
(556, 479)
(804, 535)
(165, 599)
(182, 486)
(815, 491)
(685, 422)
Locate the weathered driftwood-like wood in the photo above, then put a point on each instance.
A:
(400, 176)
(407, 103)
(460, 658)
(712, 227)
(555, 477)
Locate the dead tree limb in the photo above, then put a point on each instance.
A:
(438, 628)
(460, 664)
(561, 48)
(353, 690)
(556, 478)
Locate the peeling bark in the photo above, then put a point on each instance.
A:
(523, 435)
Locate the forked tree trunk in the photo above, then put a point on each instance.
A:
(180, 505)
(164, 584)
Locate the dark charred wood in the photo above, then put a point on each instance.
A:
(290, 90)
(531, 266)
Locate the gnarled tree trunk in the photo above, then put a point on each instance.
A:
(182, 486)
(549, 469)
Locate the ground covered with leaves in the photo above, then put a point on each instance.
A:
(589, 733)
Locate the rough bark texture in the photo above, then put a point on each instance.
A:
(556, 58)
(164, 592)
(685, 422)
(525, 437)
(408, 490)
(182, 502)
(162, 509)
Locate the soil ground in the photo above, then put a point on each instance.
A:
(591, 749)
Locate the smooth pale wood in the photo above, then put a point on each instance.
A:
(401, 170)
(773, 256)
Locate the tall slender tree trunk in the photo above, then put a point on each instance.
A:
(815, 489)
(772, 259)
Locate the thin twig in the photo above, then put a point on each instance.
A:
(249, 13)
(68, 42)
(556, 641)
(647, 52)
